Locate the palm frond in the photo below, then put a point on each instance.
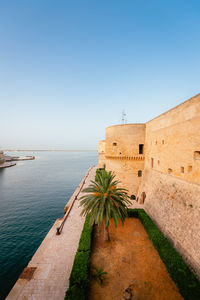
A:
(103, 200)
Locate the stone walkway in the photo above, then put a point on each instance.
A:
(46, 276)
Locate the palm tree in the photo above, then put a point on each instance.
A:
(104, 200)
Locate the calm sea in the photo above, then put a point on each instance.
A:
(32, 196)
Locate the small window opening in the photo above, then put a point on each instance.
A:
(141, 148)
(152, 162)
(182, 169)
(156, 142)
(114, 144)
(137, 199)
(189, 169)
(120, 153)
(158, 162)
(163, 142)
(139, 173)
(197, 155)
(133, 197)
(170, 171)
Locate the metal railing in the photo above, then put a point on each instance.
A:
(59, 229)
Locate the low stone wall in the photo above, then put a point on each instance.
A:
(174, 205)
(76, 192)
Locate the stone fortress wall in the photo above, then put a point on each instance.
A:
(169, 187)
(122, 154)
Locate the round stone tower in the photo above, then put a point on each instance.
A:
(124, 154)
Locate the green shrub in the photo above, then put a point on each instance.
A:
(133, 213)
(74, 293)
(80, 270)
(99, 172)
(85, 239)
(79, 277)
(99, 274)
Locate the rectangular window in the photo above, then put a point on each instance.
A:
(197, 155)
(139, 173)
(141, 148)
(152, 162)
(182, 169)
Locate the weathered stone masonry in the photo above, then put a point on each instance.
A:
(159, 163)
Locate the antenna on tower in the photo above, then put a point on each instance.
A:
(124, 119)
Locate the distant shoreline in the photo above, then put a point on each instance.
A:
(37, 150)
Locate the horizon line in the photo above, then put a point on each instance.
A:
(50, 150)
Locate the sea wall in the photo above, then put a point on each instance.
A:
(174, 205)
(170, 187)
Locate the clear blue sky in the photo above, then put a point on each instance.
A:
(69, 68)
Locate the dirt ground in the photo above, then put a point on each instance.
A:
(135, 270)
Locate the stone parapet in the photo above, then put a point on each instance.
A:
(125, 157)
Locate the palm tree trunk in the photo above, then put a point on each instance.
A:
(106, 234)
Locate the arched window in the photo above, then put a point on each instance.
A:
(133, 197)
(114, 144)
(170, 171)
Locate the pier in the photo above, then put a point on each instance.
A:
(7, 165)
